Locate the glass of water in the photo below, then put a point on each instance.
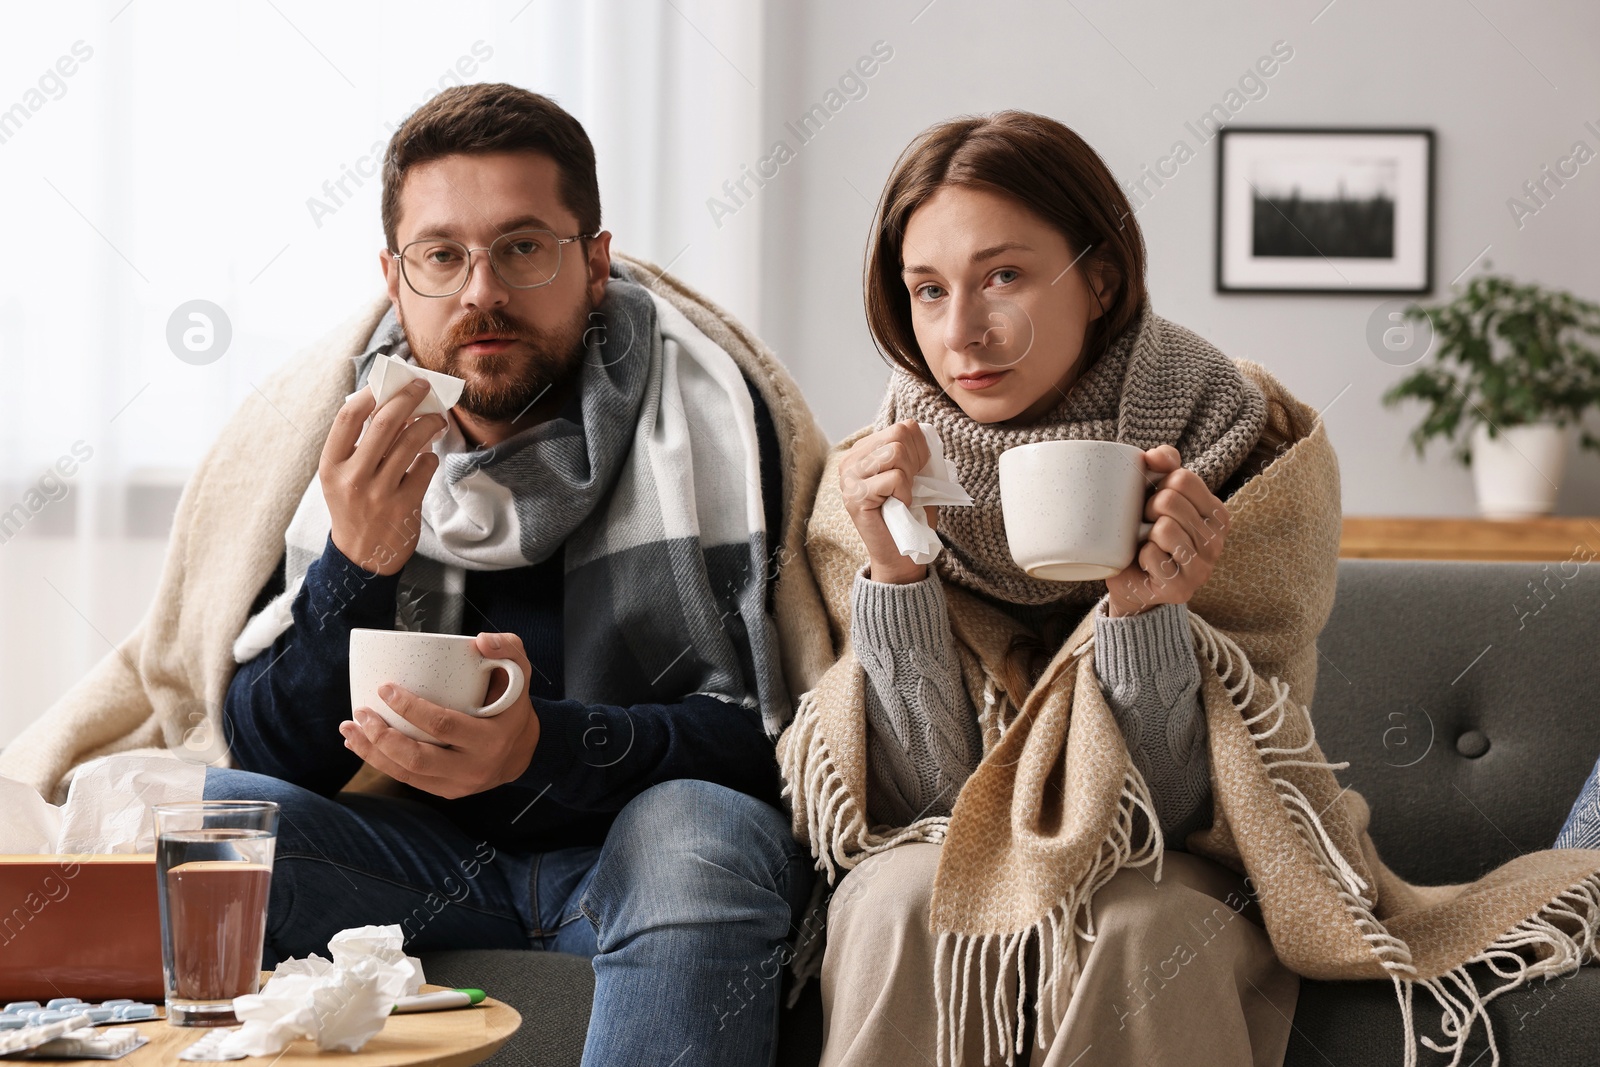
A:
(214, 871)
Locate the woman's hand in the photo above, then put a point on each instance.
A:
(1185, 542)
(879, 466)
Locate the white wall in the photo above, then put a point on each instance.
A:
(1126, 77)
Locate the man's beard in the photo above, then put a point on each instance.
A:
(502, 385)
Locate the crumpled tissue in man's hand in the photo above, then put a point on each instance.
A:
(339, 1004)
(390, 374)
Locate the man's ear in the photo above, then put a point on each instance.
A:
(391, 277)
(599, 265)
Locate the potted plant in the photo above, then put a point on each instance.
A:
(1513, 370)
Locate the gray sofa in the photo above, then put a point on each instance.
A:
(1466, 697)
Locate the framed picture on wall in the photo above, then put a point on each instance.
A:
(1324, 210)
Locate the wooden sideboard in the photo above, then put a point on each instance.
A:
(1551, 539)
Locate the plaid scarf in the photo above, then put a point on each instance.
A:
(649, 483)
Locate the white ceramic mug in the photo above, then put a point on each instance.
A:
(1073, 509)
(446, 669)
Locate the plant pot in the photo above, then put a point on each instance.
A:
(1517, 473)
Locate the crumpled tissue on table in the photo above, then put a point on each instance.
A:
(934, 485)
(108, 809)
(339, 1004)
(390, 374)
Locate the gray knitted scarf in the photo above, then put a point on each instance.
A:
(1157, 383)
(648, 483)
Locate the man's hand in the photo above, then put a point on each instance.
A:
(374, 489)
(476, 754)
(1185, 542)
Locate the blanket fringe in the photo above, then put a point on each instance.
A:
(1507, 958)
(1456, 992)
(987, 961)
(840, 839)
(992, 720)
(836, 828)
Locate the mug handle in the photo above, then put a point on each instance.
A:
(513, 688)
(1144, 532)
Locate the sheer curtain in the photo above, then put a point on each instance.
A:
(155, 154)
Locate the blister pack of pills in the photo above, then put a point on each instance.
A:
(26, 1038)
(209, 1048)
(64, 1028)
(87, 1043)
(20, 1013)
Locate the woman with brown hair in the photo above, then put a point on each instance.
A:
(1005, 283)
(1122, 845)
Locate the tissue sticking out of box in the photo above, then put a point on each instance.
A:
(111, 805)
(31, 825)
(108, 809)
(339, 1004)
(390, 374)
(934, 485)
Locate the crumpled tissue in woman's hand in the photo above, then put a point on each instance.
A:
(934, 484)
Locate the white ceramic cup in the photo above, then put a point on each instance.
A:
(446, 669)
(1073, 509)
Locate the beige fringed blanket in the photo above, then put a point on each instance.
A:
(1049, 815)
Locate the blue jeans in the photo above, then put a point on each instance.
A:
(692, 894)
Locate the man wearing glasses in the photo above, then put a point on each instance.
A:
(600, 506)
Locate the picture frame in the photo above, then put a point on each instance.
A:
(1324, 210)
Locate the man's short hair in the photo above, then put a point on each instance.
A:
(493, 117)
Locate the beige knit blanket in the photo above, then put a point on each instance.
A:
(160, 691)
(1049, 815)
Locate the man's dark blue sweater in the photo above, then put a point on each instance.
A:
(284, 707)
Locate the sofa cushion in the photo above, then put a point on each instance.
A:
(1354, 1024)
(552, 990)
(1466, 697)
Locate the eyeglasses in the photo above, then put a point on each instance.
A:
(523, 259)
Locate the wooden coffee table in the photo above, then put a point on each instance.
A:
(454, 1038)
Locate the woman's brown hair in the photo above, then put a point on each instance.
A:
(1040, 163)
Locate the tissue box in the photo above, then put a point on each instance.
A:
(79, 926)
